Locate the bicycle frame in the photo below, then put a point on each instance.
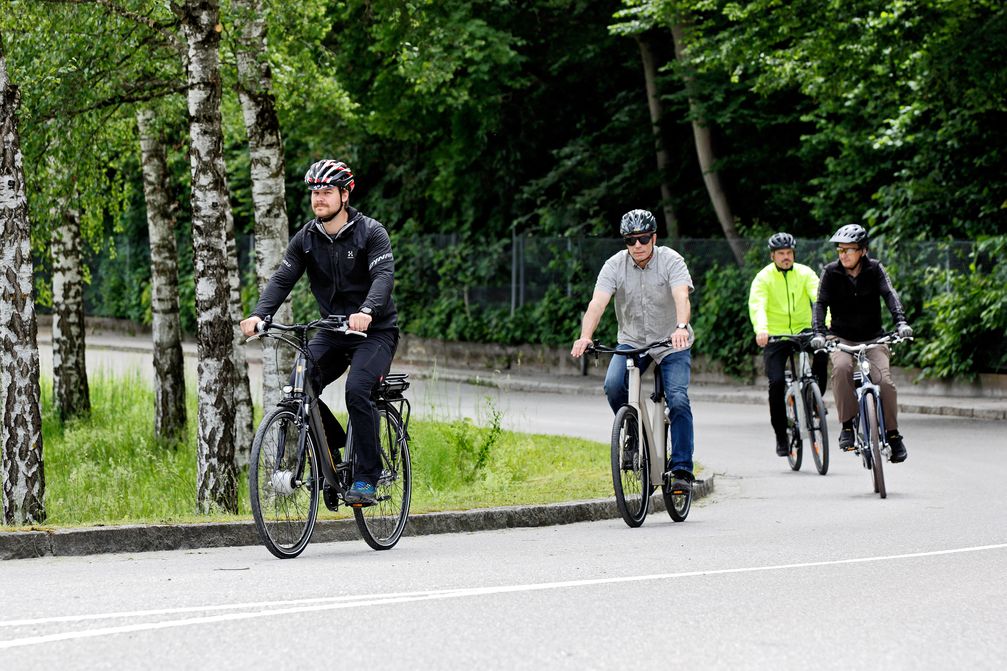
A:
(652, 419)
(867, 391)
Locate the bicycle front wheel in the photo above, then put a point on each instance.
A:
(382, 524)
(877, 470)
(795, 452)
(630, 467)
(284, 501)
(818, 430)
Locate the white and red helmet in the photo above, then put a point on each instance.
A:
(329, 174)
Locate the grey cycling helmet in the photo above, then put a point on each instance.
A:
(329, 174)
(782, 241)
(851, 234)
(635, 222)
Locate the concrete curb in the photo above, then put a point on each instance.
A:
(150, 538)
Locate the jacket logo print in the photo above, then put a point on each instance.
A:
(349, 254)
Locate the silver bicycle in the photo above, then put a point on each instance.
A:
(806, 423)
(870, 443)
(639, 445)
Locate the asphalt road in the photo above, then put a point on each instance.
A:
(776, 570)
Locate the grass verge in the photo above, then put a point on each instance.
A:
(109, 469)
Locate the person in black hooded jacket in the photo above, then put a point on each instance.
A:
(351, 270)
(852, 289)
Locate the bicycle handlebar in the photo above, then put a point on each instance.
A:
(595, 348)
(332, 323)
(889, 338)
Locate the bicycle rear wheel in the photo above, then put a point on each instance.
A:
(795, 453)
(630, 467)
(382, 524)
(284, 502)
(818, 430)
(877, 469)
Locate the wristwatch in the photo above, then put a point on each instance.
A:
(366, 311)
(683, 325)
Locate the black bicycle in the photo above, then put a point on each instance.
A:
(805, 407)
(292, 463)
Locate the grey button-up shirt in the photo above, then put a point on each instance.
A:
(644, 304)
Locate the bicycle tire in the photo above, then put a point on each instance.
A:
(382, 524)
(877, 469)
(630, 467)
(795, 449)
(677, 505)
(818, 429)
(284, 513)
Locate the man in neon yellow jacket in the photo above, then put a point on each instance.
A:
(779, 303)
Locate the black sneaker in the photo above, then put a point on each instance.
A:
(846, 438)
(681, 482)
(899, 452)
(782, 447)
(361, 494)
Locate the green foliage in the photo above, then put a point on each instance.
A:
(721, 322)
(964, 332)
(463, 453)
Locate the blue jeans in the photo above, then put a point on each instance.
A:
(676, 370)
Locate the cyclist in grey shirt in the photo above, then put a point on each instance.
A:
(651, 286)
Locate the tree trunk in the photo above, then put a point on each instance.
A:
(216, 477)
(242, 393)
(255, 89)
(69, 377)
(21, 432)
(656, 114)
(169, 364)
(704, 150)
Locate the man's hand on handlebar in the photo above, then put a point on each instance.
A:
(248, 325)
(817, 342)
(359, 321)
(579, 346)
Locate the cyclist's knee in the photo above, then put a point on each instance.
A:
(678, 402)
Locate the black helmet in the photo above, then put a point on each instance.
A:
(782, 241)
(637, 221)
(329, 174)
(851, 233)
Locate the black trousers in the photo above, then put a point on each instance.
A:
(369, 360)
(775, 356)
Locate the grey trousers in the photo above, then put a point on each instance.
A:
(881, 373)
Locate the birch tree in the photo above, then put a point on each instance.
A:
(268, 165)
(69, 379)
(169, 368)
(21, 433)
(216, 478)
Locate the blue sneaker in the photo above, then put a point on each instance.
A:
(361, 494)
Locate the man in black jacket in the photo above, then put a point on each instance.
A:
(348, 258)
(852, 289)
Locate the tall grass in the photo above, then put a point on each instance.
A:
(110, 469)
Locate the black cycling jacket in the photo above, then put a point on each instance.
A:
(352, 270)
(855, 302)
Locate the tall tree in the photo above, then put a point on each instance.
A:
(656, 115)
(21, 432)
(216, 480)
(268, 166)
(707, 157)
(169, 367)
(69, 379)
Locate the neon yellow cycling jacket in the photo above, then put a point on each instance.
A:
(780, 301)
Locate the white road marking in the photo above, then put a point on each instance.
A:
(336, 603)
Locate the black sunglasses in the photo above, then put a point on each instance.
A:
(631, 240)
